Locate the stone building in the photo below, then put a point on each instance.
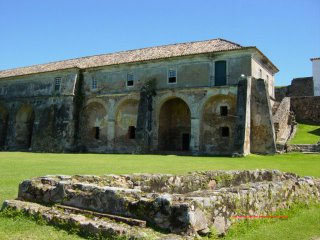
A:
(206, 97)
(316, 75)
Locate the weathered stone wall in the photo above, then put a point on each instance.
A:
(262, 135)
(311, 148)
(193, 71)
(259, 70)
(242, 129)
(306, 109)
(187, 205)
(38, 116)
(213, 124)
(301, 87)
(298, 87)
(283, 121)
(94, 110)
(281, 93)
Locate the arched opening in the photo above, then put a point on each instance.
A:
(3, 125)
(24, 126)
(95, 123)
(174, 126)
(126, 123)
(217, 124)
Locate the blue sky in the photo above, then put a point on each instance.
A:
(38, 31)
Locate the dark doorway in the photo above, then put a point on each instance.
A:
(132, 132)
(97, 133)
(24, 126)
(220, 73)
(3, 126)
(174, 126)
(30, 129)
(185, 141)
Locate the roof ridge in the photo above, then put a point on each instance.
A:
(117, 52)
(222, 39)
(127, 56)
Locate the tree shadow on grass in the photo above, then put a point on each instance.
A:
(315, 132)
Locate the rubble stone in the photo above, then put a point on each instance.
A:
(187, 205)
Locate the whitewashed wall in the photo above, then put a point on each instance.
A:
(316, 76)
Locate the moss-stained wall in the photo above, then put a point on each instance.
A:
(40, 118)
(174, 125)
(94, 108)
(192, 71)
(212, 123)
(259, 70)
(126, 116)
(262, 128)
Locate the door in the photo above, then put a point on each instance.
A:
(185, 141)
(220, 73)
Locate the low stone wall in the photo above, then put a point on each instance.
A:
(303, 148)
(86, 225)
(306, 109)
(188, 205)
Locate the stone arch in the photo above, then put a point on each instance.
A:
(94, 123)
(3, 125)
(118, 103)
(160, 101)
(24, 126)
(214, 121)
(174, 131)
(126, 115)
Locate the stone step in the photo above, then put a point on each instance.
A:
(304, 148)
(129, 221)
(96, 227)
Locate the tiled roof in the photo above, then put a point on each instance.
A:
(144, 54)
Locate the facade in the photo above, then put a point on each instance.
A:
(316, 75)
(207, 97)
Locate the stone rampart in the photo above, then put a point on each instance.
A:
(306, 109)
(298, 87)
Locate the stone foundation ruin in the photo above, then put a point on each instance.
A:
(161, 206)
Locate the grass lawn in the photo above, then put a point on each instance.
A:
(306, 134)
(15, 167)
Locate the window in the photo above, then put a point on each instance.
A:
(57, 84)
(132, 132)
(94, 83)
(224, 111)
(267, 77)
(260, 73)
(220, 68)
(225, 132)
(97, 133)
(172, 76)
(130, 80)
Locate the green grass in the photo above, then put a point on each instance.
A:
(15, 167)
(306, 134)
(303, 222)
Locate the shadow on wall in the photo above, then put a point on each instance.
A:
(174, 126)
